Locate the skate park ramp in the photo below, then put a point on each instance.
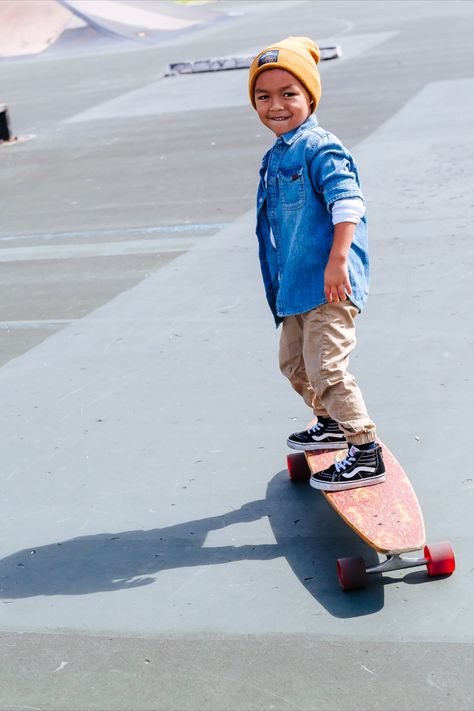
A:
(45, 27)
(31, 26)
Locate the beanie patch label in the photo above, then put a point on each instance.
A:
(268, 57)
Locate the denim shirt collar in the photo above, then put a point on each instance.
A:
(291, 136)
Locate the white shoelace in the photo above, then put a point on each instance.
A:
(347, 461)
(315, 428)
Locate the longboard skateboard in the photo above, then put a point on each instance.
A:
(386, 516)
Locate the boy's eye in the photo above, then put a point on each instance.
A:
(289, 93)
(260, 97)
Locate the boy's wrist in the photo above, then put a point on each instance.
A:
(342, 240)
(338, 257)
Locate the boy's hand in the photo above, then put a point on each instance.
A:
(336, 275)
(336, 280)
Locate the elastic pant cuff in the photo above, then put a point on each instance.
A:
(363, 438)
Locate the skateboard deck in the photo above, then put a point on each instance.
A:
(387, 516)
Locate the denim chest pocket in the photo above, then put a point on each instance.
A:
(291, 185)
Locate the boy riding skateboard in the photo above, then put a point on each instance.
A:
(313, 252)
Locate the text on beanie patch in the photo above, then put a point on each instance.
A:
(267, 57)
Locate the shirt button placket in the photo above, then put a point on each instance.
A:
(272, 203)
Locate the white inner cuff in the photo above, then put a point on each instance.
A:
(348, 210)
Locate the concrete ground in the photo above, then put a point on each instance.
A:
(153, 553)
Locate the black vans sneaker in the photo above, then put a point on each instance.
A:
(325, 434)
(361, 467)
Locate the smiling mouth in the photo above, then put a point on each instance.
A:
(279, 118)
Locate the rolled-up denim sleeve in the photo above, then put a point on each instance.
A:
(333, 171)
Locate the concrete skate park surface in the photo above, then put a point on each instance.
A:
(154, 554)
(79, 26)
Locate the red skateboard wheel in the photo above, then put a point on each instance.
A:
(440, 559)
(298, 469)
(351, 573)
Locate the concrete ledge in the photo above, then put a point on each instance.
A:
(219, 64)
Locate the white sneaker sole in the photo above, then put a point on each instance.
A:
(316, 445)
(343, 486)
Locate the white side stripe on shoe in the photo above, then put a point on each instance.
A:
(349, 475)
(326, 435)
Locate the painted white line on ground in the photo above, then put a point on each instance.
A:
(99, 249)
(40, 324)
(118, 232)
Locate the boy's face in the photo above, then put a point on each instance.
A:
(282, 102)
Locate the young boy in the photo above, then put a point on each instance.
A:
(314, 259)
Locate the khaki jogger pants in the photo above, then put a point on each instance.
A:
(314, 355)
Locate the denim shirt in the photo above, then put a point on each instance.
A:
(302, 175)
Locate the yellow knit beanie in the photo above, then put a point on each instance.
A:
(298, 55)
